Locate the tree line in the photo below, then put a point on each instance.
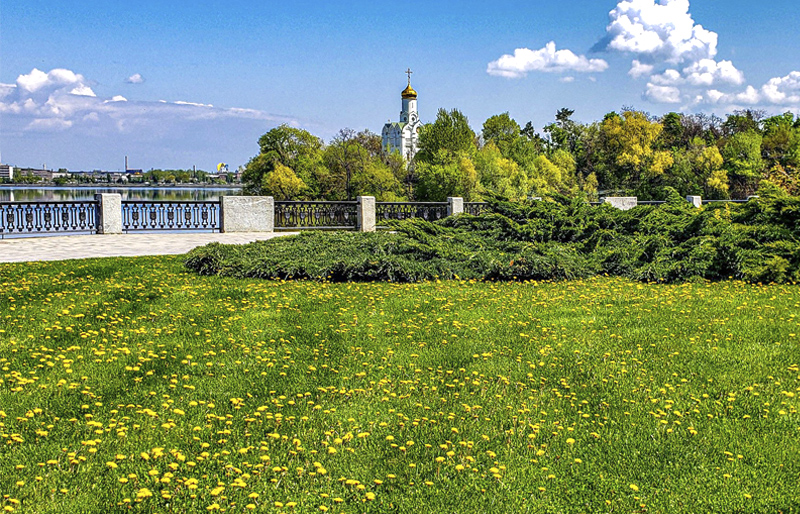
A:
(626, 153)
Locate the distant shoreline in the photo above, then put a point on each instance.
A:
(51, 185)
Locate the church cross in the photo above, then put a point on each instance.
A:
(409, 72)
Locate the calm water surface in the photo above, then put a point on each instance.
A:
(66, 193)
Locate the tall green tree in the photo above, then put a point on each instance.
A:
(283, 184)
(742, 121)
(500, 175)
(632, 154)
(450, 133)
(447, 175)
(356, 166)
(502, 131)
(294, 148)
(742, 159)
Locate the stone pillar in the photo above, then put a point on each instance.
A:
(455, 205)
(247, 214)
(697, 201)
(109, 213)
(365, 221)
(623, 203)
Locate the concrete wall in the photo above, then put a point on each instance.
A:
(247, 214)
(455, 205)
(109, 213)
(623, 203)
(366, 214)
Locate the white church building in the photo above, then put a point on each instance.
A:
(402, 136)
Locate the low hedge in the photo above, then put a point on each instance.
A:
(542, 240)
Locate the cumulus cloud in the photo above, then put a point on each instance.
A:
(52, 117)
(640, 69)
(546, 59)
(662, 94)
(778, 92)
(136, 78)
(667, 78)
(679, 57)
(660, 30)
(707, 72)
(61, 100)
(783, 90)
(59, 78)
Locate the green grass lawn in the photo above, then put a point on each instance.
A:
(131, 385)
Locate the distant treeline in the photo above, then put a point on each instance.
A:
(154, 176)
(627, 153)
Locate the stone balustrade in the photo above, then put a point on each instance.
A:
(232, 214)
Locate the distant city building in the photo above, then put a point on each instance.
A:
(6, 172)
(402, 136)
(42, 174)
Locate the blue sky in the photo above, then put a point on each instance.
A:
(84, 83)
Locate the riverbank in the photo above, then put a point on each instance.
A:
(52, 185)
(81, 192)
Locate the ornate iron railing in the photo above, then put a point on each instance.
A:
(724, 201)
(476, 208)
(20, 218)
(148, 215)
(650, 202)
(429, 211)
(316, 215)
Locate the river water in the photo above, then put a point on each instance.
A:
(67, 193)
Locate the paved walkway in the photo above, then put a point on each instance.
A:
(58, 248)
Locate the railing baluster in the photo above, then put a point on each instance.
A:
(48, 217)
(315, 215)
(146, 215)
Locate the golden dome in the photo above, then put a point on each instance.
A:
(409, 93)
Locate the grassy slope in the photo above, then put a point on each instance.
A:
(596, 396)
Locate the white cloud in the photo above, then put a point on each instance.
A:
(82, 91)
(639, 69)
(567, 80)
(707, 72)
(779, 91)
(783, 90)
(46, 122)
(38, 80)
(677, 54)
(136, 78)
(7, 89)
(668, 78)
(660, 30)
(49, 125)
(713, 96)
(546, 59)
(662, 94)
(749, 96)
(62, 100)
(193, 104)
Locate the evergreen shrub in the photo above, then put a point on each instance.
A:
(558, 238)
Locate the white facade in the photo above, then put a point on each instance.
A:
(402, 136)
(6, 171)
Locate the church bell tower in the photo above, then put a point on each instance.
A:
(402, 136)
